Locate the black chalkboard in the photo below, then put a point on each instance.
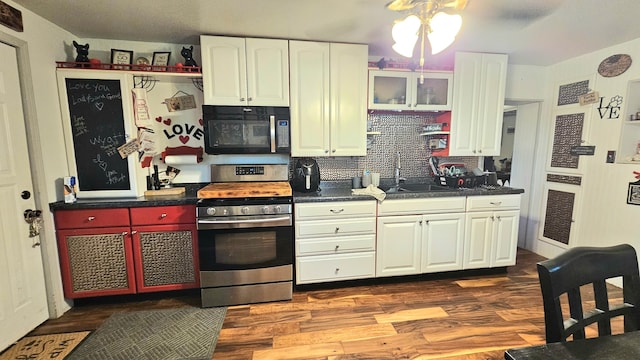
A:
(97, 128)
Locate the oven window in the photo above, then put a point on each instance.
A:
(246, 248)
(240, 249)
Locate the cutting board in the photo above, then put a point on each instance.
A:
(165, 192)
(245, 189)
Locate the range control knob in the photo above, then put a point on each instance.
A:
(225, 212)
(265, 209)
(277, 209)
(245, 210)
(211, 211)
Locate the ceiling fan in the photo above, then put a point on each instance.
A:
(430, 5)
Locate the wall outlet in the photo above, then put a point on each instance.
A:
(611, 156)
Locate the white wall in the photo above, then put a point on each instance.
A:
(602, 215)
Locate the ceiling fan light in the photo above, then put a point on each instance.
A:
(405, 35)
(405, 48)
(442, 22)
(439, 41)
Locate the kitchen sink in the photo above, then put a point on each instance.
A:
(415, 188)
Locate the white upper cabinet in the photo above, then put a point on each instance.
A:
(409, 90)
(245, 71)
(328, 99)
(478, 104)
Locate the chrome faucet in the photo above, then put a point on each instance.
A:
(397, 171)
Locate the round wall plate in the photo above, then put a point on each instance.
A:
(614, 65)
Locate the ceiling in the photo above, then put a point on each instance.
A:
(531, 32)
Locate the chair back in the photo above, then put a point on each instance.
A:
(579, 266)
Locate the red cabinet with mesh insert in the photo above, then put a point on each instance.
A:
(125, 251)
(96, 256)
(165, 248)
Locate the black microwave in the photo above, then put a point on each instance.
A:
(246, 129)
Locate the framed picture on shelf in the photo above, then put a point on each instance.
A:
(121, 57)
(161, 58)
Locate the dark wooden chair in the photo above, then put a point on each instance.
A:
(566, 273)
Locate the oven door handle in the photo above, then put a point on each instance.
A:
(247, 221)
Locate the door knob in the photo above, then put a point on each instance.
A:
(25, 194)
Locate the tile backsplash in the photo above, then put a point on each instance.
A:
(398, 133)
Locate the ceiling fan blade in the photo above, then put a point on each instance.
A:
(456, 4)
(401, 5)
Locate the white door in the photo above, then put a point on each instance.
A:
(442, 242)
(23, 302)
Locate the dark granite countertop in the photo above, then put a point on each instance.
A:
(341, 191)
(329, 191)
(189, 198)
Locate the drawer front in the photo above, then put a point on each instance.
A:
(335, 227)
(157, 215)
(91, 218)
(335, 209)
(335, 245)
(422, 206)
(489, 203)
(323, 268)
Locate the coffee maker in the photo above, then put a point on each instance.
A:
(306, 175)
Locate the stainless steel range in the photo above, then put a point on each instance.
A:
(245, 235)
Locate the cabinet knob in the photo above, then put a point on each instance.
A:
(337, 270)
(333, 151)
(337, 246)
(473, 151)
(241, 99)
(493, 218)
(498, 217)
(163, 215)
(337, 229)
(91, 218)
(336, 211)
(326, 151)
(134, 232)
(124, 233)
(480, 151)
(496, 203)
(250, 99)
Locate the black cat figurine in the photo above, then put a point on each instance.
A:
(187, 54)
(83, 52)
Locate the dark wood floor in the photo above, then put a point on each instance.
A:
(452, 316)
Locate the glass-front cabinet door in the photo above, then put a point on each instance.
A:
(389, 90)
(408, 90)
(432, 91)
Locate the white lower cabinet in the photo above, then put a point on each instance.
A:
(491, 231)
(348, 240)
(335, 241)
(429, 241)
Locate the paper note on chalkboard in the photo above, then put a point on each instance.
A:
(129, 148)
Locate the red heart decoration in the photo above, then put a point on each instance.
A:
(159, 118)
(183, 139)
(201, 122)
(167, 122)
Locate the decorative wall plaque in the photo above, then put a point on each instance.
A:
(614, 65)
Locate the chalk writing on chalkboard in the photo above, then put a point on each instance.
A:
(97, 126)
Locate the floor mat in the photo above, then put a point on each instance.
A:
(182, 333)
(51, 346)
